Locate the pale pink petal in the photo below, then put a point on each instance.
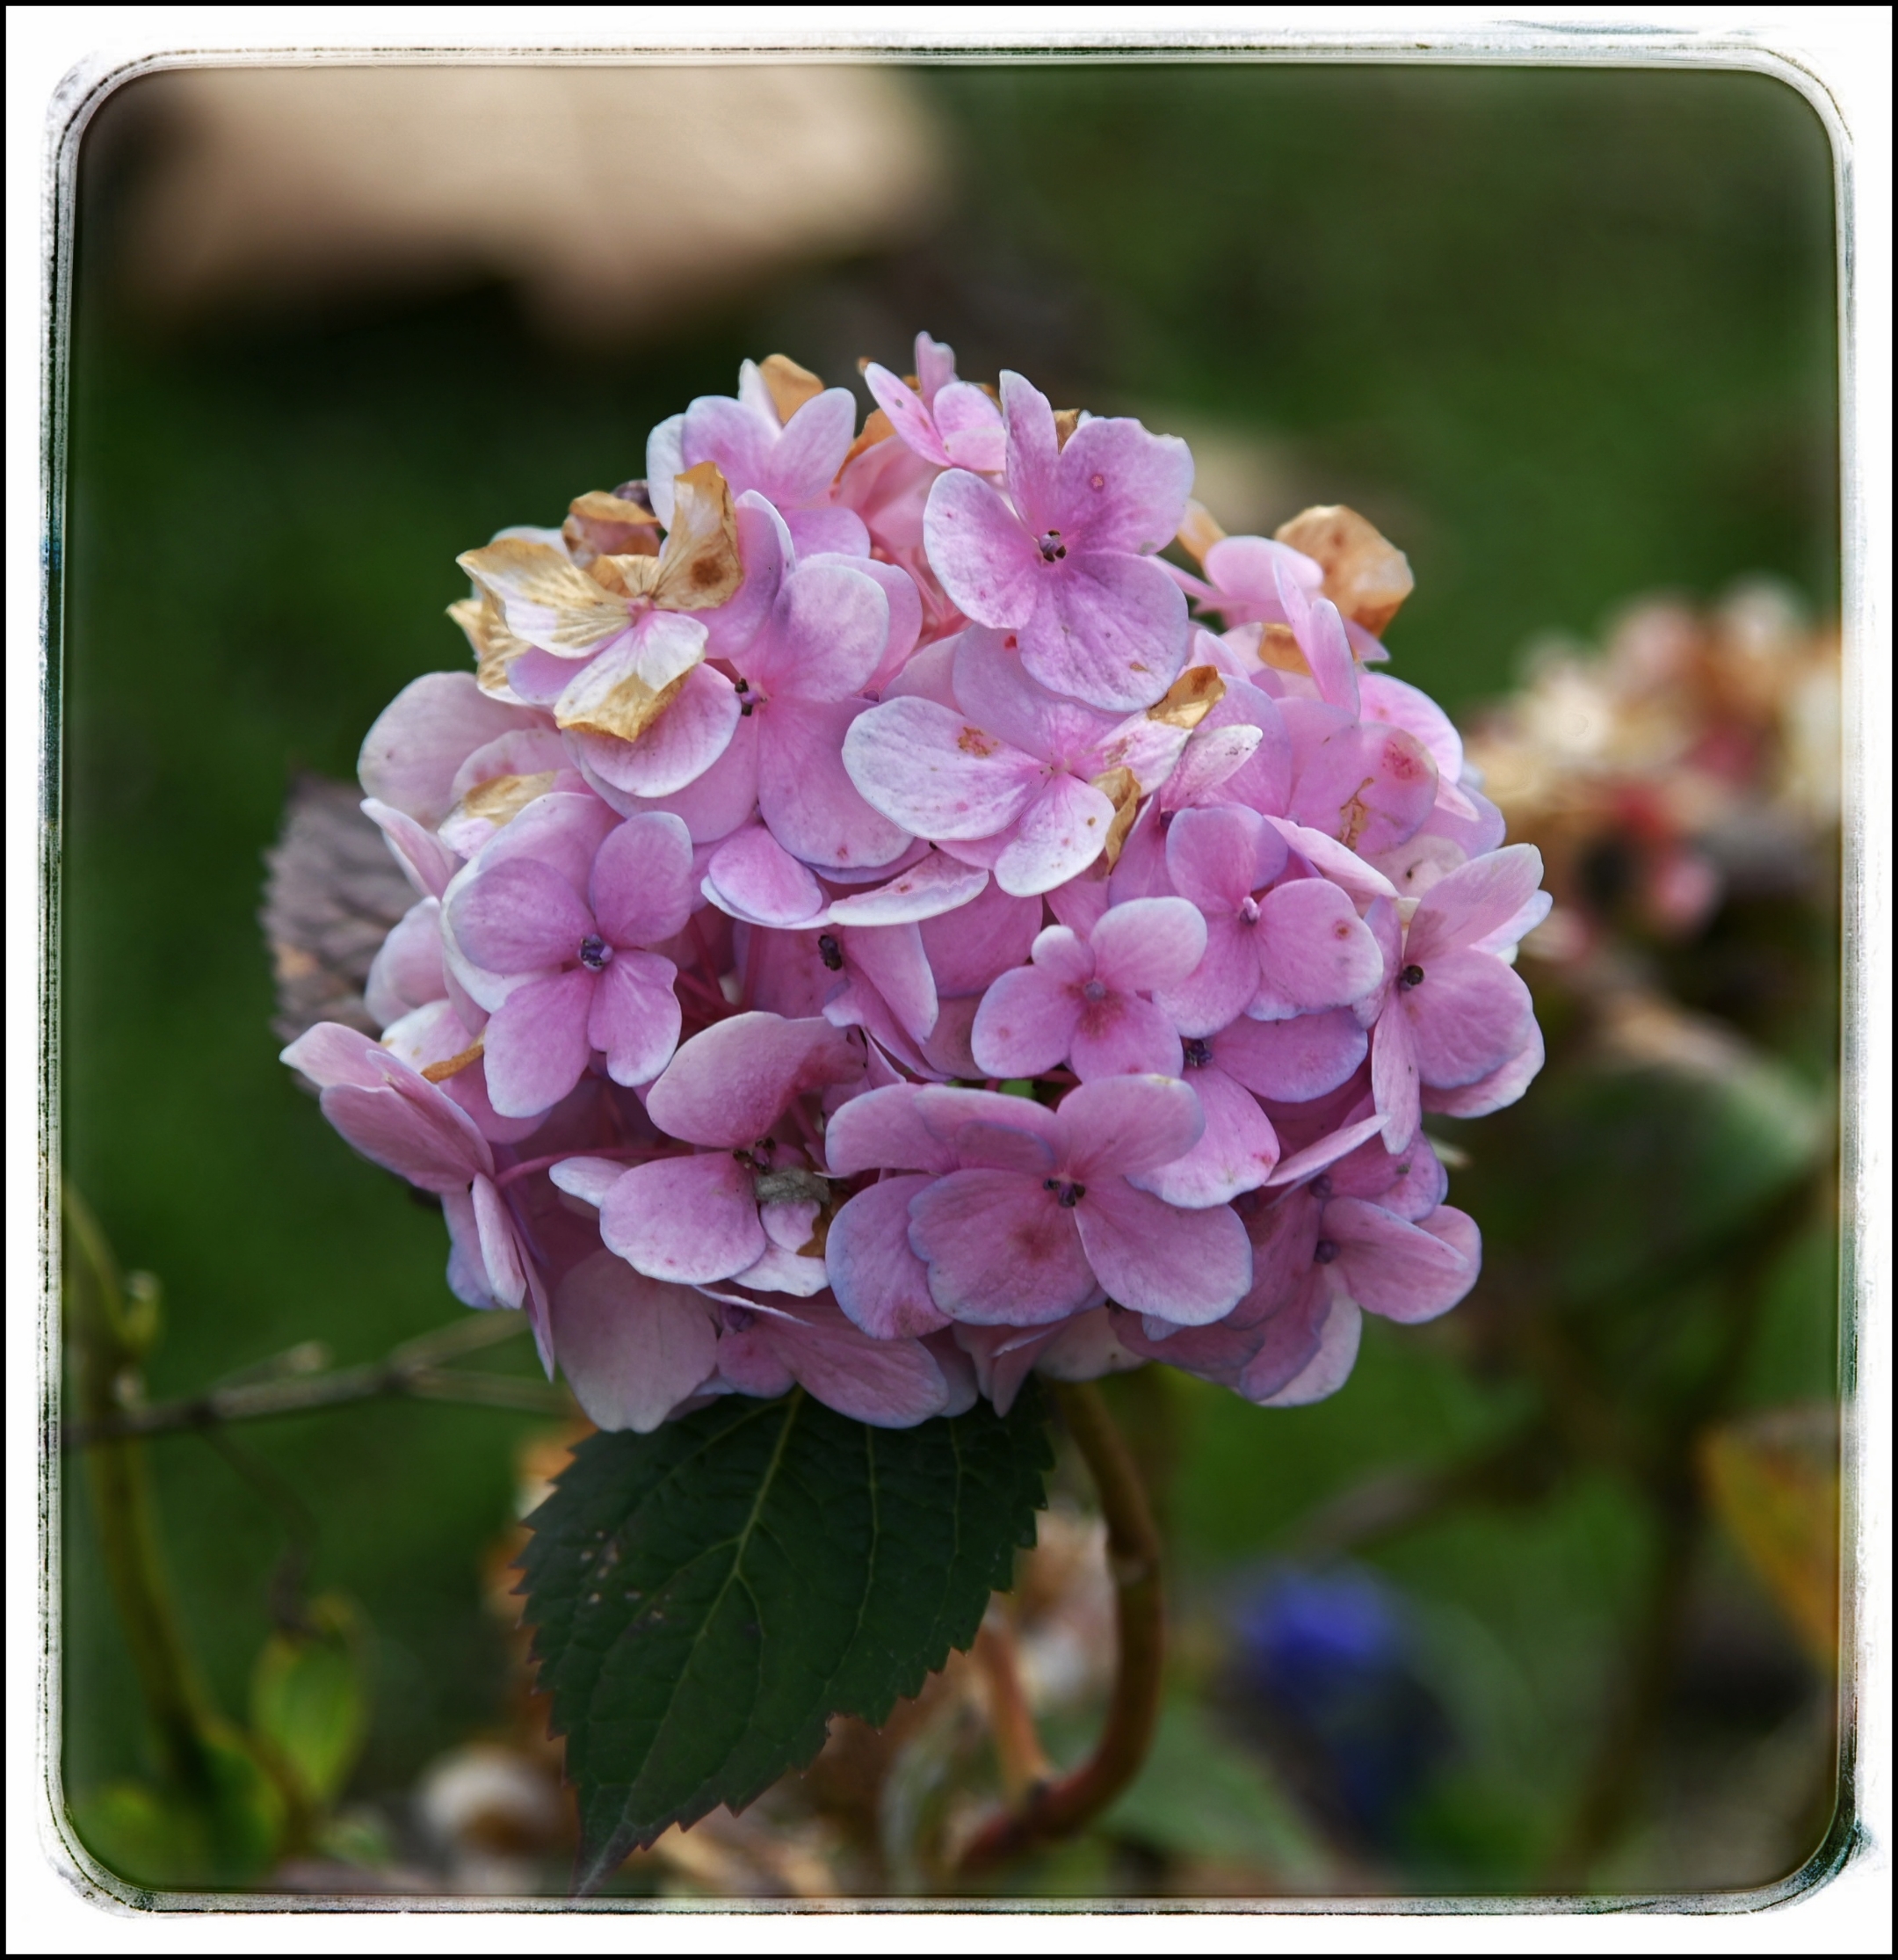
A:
(892, 960)
(661, 651)
(561, 829)
(1187, 1266)
(825, 636)
(1002, 1358)
(1033, 454)
(536, 1045)
(632, 1348)
(930, 886)
(970, 428)
(331, 1056)
(1107, 628)
(878, 1280)
(800, 466)
(905, 619)
(1330, 1369)
(1387, 699)
(500, 1251)
(999, 1249)
(735, 436)
(1263, 781)
(1309, 1162)
(678, 749)
(1237, 1151)
(934, 772)
(1326, 855)
(1221, 986)
(635, 1016)
(1060, 833)
(728, 1085)
(1468, 1015)
(1148, 943)
(1474, 900)
(1492, 1092)
(1390, 1268)
(765, 554)
(988, 564)
(1365, 784)
(807, 795)
(833, 532)
(948, 1050)
(1292, 1061)
(421, 739)
(753, 877)
(640, 886)
(1126, 1124)
(1218, 857)
(407, 970)
(935, 366)
(1314, 950)
(688, 1219)
(1124, 1035)
(1326, 651)
(588, 1178)
(913, 423)
(1121, 488)
(520, 917)
(427, 862)
(1085, 1347)
(665, 459)
(884, 1130)
(1082, 901)
(779, 1271)
(993, 690)
(433, 1145)
(1412, 1183)
(467, 1276)
(712, 805)
(1394, 1076)
(890, 1384)
(1026, 1023)
(998, 1132)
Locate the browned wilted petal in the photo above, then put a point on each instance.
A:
(486, 632)
(1278, 647)
(439, 1071)
(1191, 699)
(501, 797)
(1121, 787)
(790, 385)
(633, 577)
(625, 707)
(1367, 578)
(545, 598)
(1066, 422)
(877, 428)
(600, 521)
(699, 568)
(1199, 530)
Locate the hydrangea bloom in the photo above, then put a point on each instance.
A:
(868, 935)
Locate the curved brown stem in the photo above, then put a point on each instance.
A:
(1058, 1809)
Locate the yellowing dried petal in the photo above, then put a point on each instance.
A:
(1367, 578)
(628, 708)
(545, 598)
(1279, 648)
(877, 428)
(488, 635)
(598, 521)
(790, 385)
(1066, 422)
(633, 578)
(439, 1071)
(699, 568)
(1199, 530)
(1121, 787)
(501, 797)
(1191, 699)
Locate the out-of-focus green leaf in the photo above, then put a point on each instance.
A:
(308, 1698)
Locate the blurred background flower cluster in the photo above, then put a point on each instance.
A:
(1546, 1597)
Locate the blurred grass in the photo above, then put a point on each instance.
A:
(1567, 336)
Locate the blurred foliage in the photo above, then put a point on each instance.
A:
(1564, 334)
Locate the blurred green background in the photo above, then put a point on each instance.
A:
(1566, 335)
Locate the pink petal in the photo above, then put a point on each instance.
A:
(520, 917)
(1237, 1152)
(1033, 457)
(1188, 1267)
(434, 1146)
(1330, 1369)
(407, 970)
(536, 1042)
(753, 877)
(416, 746)
(834, 533)
(912, 422)
(825, 636)
(992, 1131)
(500, 1251)
(905, 604)
(1026, 1023)
(1394, 1076)
(641, 885)
(632, 1348)
(1292, 1061)
(807, 795)
(1124, 1035)
(1107, 628)
(1396, 702)
(1474, 900)
(1218, 857)
(1468, 1015)
(999, 1248)
(933, 886)
(563, 830)
(711, 806)
(588, 1178)
(1367, 786)
(1221, 986)
(884, 1130)
(934, 772)
(1326, 1151)
(1125, 1124)
(766, 554)
(1314, 950)
(1002, 1358)
(1398, 1270)
(988, 564)
(428, 863)
(635, 1017)
(801, 465)
(878, 1280)
(1492, 1092)
(1060, 833)
(1148, 943)
(728, 1085)
(1085, 1347)
(891, 958)
(678, 749)
(1327, 856)
(1121, 488)
(732, 434)
(890, 1384)
(689, 1219)
(970, 428)
(1327, 653)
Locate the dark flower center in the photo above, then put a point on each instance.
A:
(1325, 1250)
(1052, 547)
(1198, 1053)
(829, 952)
(1412, 976)
(595, 955)
(1070, 1195)
(742, 689)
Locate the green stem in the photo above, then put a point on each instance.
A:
(1056, 1810)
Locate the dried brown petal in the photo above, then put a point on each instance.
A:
(1367, 578)
(1121, 788)
(790, 385)
(501, 797)
(494, 645)
(628, 708)
(1199, 530)
(1278, 647)
(601, 522)
(545, 598)
(439, 1071)
(700, 568)
(1066, 422)
(1191, 699)
(877, 428)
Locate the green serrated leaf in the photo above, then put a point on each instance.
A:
(707, 1597)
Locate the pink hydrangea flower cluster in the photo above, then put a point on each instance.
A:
(870, 933)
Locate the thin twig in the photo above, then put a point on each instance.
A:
(411, 1369)
(1057, 1810)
